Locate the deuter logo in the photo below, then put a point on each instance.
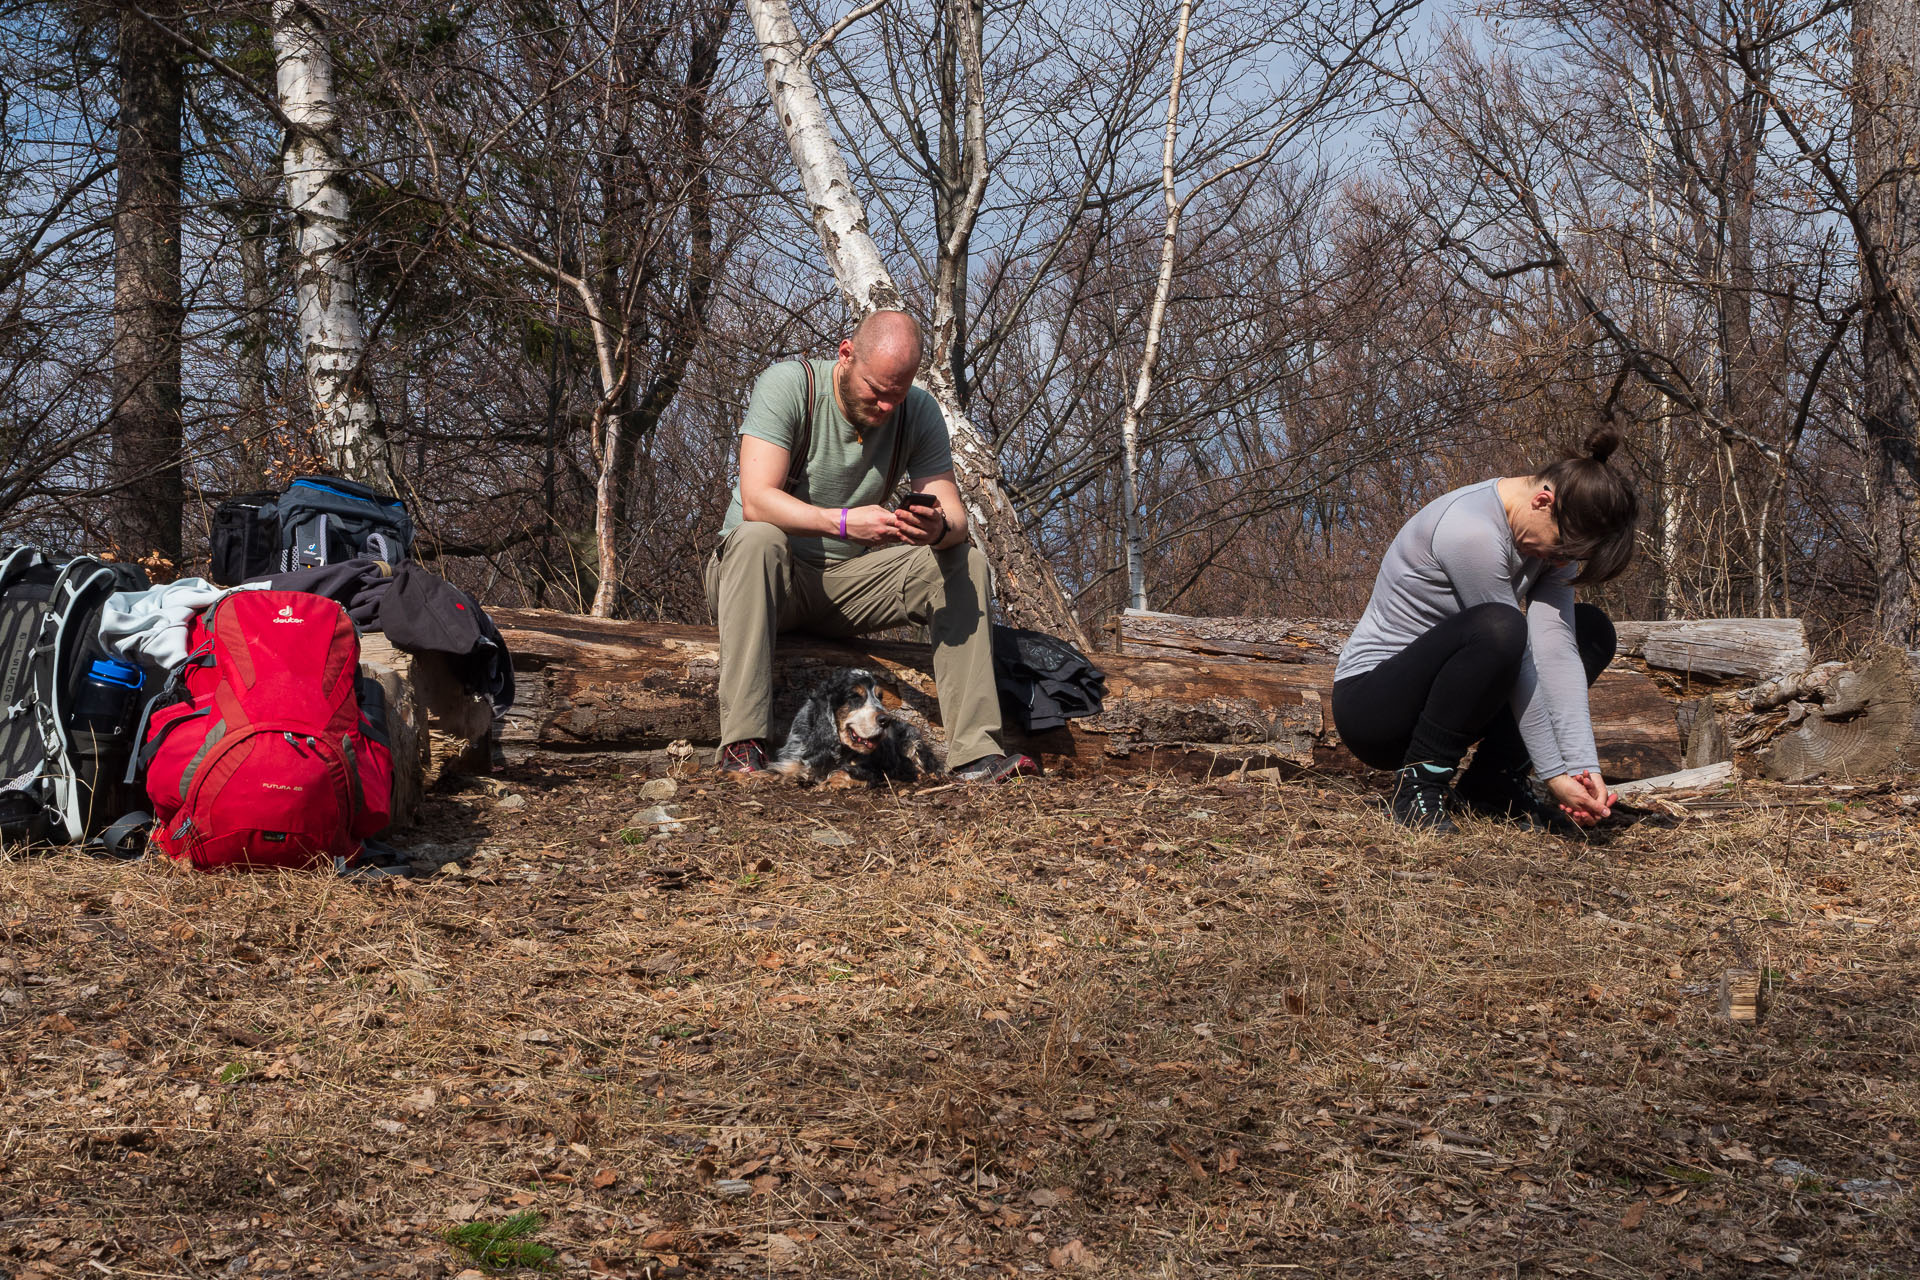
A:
(286, 615)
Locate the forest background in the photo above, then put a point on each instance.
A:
(524, 259)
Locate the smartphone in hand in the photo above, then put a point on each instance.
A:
(926, 501)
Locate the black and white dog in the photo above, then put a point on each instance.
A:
(843, 734)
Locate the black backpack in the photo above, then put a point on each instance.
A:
(316, 520)
(69, 708)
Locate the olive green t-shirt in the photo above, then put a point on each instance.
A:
(842, 469)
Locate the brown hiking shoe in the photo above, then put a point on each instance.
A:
(749, 755)
(997, 768)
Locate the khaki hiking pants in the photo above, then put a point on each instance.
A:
(756, 588)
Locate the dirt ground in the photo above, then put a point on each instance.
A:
(1119, 1028)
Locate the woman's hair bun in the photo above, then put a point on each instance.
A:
(1601, 444)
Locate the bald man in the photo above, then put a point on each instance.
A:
(832, 556)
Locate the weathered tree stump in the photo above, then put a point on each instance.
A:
(435, 728)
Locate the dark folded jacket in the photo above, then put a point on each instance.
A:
(1044, 681)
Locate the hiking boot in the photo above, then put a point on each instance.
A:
(1507, 795)
(749, 755)
(996, 768)
(1420, 798)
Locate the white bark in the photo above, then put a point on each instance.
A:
(838, 215)
(1156, 320)
(332, 338)
(1028, 591)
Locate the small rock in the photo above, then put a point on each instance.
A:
(514, 801)
(732, 1188)
(832, 839)
(656, 821)
(658, 789)
(1862, 1189)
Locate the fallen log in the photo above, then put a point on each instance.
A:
(1748, 687)
(596, 684)
(1139, 633)
(1710, 650)
(1719, 649)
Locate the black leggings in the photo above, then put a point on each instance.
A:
(1450, 689)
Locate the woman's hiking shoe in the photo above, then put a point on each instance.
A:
(1419, 799)
(997, 768)
(748, 755)
(1507, 795)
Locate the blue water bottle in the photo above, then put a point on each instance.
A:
(106, 700)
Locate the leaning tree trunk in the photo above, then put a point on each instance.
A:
(1886, 134)
(333, 341)
(1028, 592)
(147, 312)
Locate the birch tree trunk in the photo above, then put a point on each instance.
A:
(960, 183)
(1025, 584)
(1156, 320)
(332, 338)
(1886, 136)
(147, 312)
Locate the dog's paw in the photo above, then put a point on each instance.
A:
(839, 780)
(794, 769)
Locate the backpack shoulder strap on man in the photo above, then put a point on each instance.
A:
(802, 443)
(899, 451)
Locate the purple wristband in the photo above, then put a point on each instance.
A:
(843, 522)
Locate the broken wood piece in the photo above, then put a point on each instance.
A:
(1706, 737)
(1706, 776)
(1740, 995)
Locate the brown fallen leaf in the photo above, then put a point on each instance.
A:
(605, 1178)
(1229, 1160)
(1630, 1220)
(1071, 1256)
(1192, 1161)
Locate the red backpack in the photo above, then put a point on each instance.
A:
(266, 760)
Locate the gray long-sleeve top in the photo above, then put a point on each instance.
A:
(1458, 552)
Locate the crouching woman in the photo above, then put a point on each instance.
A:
(1473, 636)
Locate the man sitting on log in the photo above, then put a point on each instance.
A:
(810, 544)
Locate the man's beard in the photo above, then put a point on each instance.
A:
(855, 412)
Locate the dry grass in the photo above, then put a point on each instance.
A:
(1140, 1028)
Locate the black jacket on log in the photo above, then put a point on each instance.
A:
(1044, 681)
